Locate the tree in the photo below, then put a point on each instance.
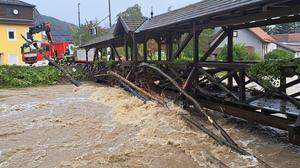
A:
(204, 44)
(240, 53)
(84, 34)
(134, 11)
(280, 54)
(284, 28)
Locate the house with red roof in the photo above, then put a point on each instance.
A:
(290, 42)
(255, 39)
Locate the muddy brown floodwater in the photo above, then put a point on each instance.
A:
(97, 126)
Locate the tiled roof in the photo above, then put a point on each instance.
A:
(16, 2)
(129, 23)
(204, 8)
(260, 33)
(132, 23)
(289, 38)
(202, 11)
(105, 37)
(291, 47)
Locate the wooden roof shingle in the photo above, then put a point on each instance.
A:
(198, 10)
(16, 2)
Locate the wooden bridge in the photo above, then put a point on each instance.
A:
(230, 93)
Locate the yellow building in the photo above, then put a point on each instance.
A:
(15, 19)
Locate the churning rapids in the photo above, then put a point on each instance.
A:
(97, 126)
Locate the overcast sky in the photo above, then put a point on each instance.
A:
(90, 9)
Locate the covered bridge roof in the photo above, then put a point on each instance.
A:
(197, 10)
(16, 2)
(123, 25)
(218, 13)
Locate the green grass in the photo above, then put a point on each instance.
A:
(21, 76)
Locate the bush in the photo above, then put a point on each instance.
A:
(21, 76)
(240, 53)
(280, 54)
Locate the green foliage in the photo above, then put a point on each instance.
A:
(279, 54)
(112, 63)
(78, 72)
(205, 39)
(269, 70)
(83, 32)
(240, 53)
(134, 11)
(296, 62)
(20, 76)
(266, 71)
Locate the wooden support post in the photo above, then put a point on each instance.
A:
(126, 50)
(96, 55)
(294, 133)
(145, 50)
(230, 53)
(134, 50)
(131, 52)
(159, 49)
(283, 81)
(169, 43)
(196, 44)
(214, 46)
(242, 85)
(86, 55)
(112, 53)
(115, 51)
(183, 44)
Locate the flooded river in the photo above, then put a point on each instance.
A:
(97, 126)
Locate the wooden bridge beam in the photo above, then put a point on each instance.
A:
(169, 43)
(159, 49)
(196, 34)
(145, 50)
(126, 50)
(214, 46)
(230, 53)
(183, 44)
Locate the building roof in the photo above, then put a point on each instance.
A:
(132, 23)
(215, 13)
(16, 2)
(288, 38)
(201, 9)
(261, 34)
(105, 37)
(291, 47)
(129, 24)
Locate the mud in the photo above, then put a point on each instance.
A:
(97, 126)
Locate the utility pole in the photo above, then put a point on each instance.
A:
(79, 14)
(109, 12)
(79, 23)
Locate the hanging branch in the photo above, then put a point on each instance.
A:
(189, 119)
(111, 73)
(214, 81)
(196, 104)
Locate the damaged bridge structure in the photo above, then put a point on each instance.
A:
(197, 83)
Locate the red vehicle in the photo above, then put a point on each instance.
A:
(32, 51)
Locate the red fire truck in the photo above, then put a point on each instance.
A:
(31, 49)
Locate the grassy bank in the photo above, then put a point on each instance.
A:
(20, 76)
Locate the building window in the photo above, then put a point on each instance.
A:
(11, 34)
(13, 59)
